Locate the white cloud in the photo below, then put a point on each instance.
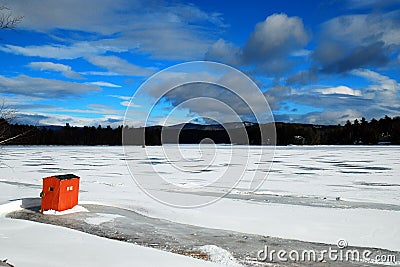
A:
(129, 104)
(104, 84)
(163, 30)
(165, 40)
(126, 101)
(64, 69)
(100, 73)
(342, 90)
(59, 51)
(277, 35)
(354, 41)
(43, 88)
(364, 28)
(126, 98)
(326, 117)
(225, 51)
(269, 46)
(91, 16)
(331, 117)
(341, 103)
(92, 109)
(40, 118)
(107, 16)
(383, 89)
(385, 81)
(118, 65)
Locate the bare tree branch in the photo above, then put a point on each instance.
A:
(7, 115)
(14, 137)
(7, 20)
(6, 112)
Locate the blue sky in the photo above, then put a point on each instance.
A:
(315, 61)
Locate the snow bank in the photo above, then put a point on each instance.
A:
(10, 207)
(219, 255)
(26, 243)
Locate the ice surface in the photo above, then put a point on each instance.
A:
(297, 201)
(101, 218)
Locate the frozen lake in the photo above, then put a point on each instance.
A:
(355, 174)
(318, 194)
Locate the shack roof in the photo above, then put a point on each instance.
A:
(65, 176)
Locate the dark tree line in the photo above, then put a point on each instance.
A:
(66, 135)
(383, 131)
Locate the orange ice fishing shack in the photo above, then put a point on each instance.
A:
(60, 192)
